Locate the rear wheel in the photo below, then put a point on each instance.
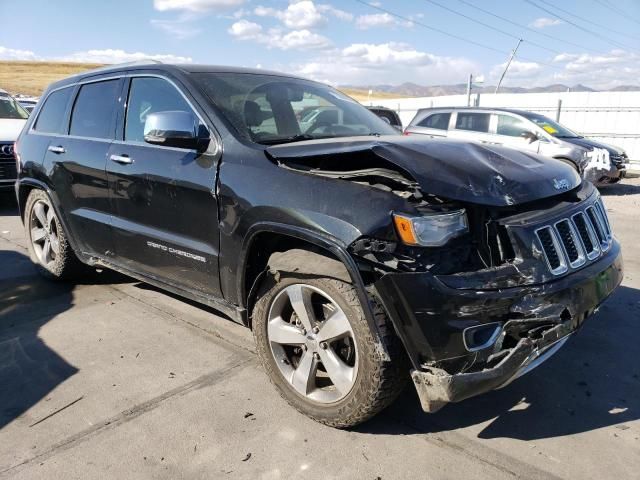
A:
(315, 344)
(47, 240)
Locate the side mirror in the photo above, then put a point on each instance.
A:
(175, 129)
(529, 136)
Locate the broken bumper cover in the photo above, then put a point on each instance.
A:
(430, 317)
(437, 388)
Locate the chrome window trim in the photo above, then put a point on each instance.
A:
(215, 136)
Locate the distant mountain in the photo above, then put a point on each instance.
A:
(409, 89)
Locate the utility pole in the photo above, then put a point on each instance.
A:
(513, 54)
(469, 83)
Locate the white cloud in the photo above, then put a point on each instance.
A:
(16, 54)
(375, 20)
(336, 12)
(544, 22)
(298, 15)
(245, 30)
(195, 5)
(618, 67)
(274, 38)
(180, 28)
(394, 63)
(518, 69)
(119, 56)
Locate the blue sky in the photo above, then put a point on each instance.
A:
(594, 42)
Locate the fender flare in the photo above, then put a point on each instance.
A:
(326, 242)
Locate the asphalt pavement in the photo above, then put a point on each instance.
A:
(111, 378)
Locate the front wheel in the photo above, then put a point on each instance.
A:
(317, 348)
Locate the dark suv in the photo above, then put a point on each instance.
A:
(359, 257)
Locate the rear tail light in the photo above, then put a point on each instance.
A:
(17, 156)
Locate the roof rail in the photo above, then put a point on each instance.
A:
(123, 64)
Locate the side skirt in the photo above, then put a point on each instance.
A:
(236, 313)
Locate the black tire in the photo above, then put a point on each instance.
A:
(65, 265)
(377, 382)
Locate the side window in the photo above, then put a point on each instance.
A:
(511, 126)
(52, 113)
(475, 122)
(438, 121)
(150, 95)
(92, 114)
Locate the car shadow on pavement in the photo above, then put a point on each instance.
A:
(619, 190)
(29, 368)
(592, 383)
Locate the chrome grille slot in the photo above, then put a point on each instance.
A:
(570, 242)
(597, 220)
(600, 206)
(587, 235)
(553, 251)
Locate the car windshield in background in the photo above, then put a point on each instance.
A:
(10, 109)
(549, 126)
(269, 109)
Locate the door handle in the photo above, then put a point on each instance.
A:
(122, 159)
(56, 149)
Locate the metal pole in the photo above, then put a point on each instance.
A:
(469, 90)
(513, 54)
(559, 109)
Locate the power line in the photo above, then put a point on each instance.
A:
(452, 35)
(617, 10)
(590, 32)
(519, 25)
(586, 20)
(492, 27)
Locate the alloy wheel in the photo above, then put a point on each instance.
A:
(313, 343)
(44, 233)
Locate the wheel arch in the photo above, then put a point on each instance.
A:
(286, 248)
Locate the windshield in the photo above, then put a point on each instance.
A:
(549, 126)
(269, 109)
(11, 109)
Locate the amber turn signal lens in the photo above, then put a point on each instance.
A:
(405, 231)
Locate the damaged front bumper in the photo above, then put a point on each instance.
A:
(431, 317)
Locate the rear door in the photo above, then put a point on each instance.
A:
(76, 159)
(164, 199)
(472, 126)
(435, 125)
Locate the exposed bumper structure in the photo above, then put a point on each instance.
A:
(430, 319)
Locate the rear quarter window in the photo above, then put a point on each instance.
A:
(439, 121)
(473, 121)
(52, 113)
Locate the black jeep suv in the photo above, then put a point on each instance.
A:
(359, 257)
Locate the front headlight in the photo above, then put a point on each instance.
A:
(431, 230)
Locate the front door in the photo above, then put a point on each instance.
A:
(514, 132)
(164, 200)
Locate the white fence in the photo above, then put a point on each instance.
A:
(610, 117)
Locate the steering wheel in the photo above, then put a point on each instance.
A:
(316, 126)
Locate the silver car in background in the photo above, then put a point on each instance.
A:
(600, 163)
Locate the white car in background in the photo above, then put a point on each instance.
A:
(12, 118)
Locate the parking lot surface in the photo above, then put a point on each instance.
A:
(110, 378)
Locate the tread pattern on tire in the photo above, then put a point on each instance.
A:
(386, 379)
(67, 265)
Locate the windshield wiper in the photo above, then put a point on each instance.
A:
(294, 138)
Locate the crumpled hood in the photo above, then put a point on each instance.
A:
(10, 128)
(591, 144)
(457, 170)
